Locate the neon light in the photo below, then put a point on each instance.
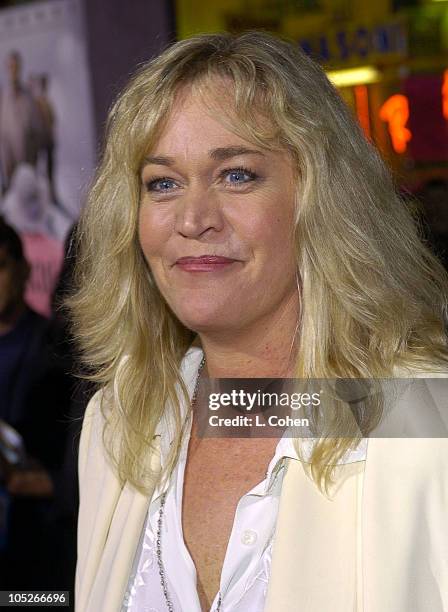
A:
(362, 108)
(395, 112)
(354, 76)
(445, 94)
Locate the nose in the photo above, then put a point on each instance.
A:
(198, 212)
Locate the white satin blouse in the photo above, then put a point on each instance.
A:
(247, 563)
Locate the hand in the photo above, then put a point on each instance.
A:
(33, 483)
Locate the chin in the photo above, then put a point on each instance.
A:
(204, 319)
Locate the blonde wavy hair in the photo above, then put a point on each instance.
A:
(373, 298)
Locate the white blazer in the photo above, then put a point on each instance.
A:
(379, 545)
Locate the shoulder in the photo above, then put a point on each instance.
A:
(94, 420)
(92, 455)
(412, 439)
(415, 403)
(101, 407)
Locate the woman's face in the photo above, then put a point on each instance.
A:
(216, 222)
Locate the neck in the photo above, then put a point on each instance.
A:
(9, 318)
(266, 349)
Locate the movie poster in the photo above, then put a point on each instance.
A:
(46, 133)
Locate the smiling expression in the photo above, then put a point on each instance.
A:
(216, 222)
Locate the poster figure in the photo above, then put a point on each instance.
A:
(46, 133)
(20, 123)
(46, 144)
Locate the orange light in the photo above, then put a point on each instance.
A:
(362, 107)
(445, 94)
(395, 111)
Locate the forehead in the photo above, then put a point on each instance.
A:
(204, 119)
(191, 123)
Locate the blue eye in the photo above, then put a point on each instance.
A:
(239, 176)
(160, 185)
(234, 177)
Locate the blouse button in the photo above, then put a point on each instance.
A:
(249, 537)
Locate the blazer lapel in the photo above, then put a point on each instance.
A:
(116, 561)
(315, 555)
(110, 526)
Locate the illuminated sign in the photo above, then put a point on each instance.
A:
(445, 95)
(362, 108)
(353, 44)
(395, 112)
(427, 123)
(354, 76)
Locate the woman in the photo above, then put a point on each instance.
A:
(240, 226)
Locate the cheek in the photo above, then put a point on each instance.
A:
(154, 230)
(271, 234)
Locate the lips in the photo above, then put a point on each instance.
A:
(204, 263)
(206, 259)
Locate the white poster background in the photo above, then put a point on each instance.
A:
(50, 39)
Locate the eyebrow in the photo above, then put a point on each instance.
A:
(219, 154)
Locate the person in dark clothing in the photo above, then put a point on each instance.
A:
(64, 346)
(34, 396)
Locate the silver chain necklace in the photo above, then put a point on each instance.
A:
(163, 581)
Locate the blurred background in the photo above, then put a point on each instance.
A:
(61, 64)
